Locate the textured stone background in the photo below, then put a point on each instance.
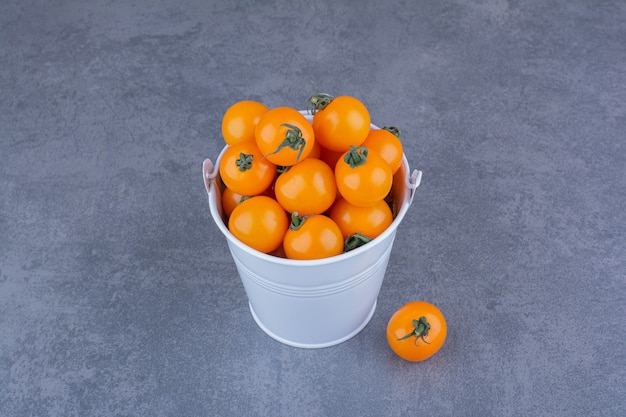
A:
(118, 296)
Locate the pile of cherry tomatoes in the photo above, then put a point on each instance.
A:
(305, 189)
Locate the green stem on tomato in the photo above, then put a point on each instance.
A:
(357, 155)
(319, 101)
(420, 330)
(281, 169)
(296, 221)
(354, 241)
(244, 162)
(293, 140)
(393, 130)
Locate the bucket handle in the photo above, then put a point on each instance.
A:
(209, 173)
(413, 182)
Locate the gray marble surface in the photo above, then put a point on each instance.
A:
(119, 297)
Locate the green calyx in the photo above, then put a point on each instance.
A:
(244, 162)
(420, 330)
(393, 130)
(293, 140)
(354, 241)
(357, 155)
(319, 102)
(296, 221)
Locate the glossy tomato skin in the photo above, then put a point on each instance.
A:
(240, 120)
(414, 348)
(387, 146)
(344, 122)
(317, 237)
(259, 222)
(252, 180)
(230, 200)
(366, 184)
(368, 221)
(274, 128)
(308, 187)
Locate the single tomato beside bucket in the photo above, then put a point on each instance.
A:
(417, 331)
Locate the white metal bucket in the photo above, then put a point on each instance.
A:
(313, 303)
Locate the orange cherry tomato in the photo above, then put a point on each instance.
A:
(386, 143)
(244, 170)
(230, 200)
(339, 122)
(284, 136)
(363, 178)
(307, 187)
(240, 120)
(259, 222)
(417, 331)
(312, 237)
(367, 221)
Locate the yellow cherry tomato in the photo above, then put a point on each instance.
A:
(259, 222)
(386, 143)
(240, 120)
(339, 122)
(368, 221)
(284, 136)
(363, 177)
(244, 170)
(312, 237)
(416, 331)
(307, 187)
